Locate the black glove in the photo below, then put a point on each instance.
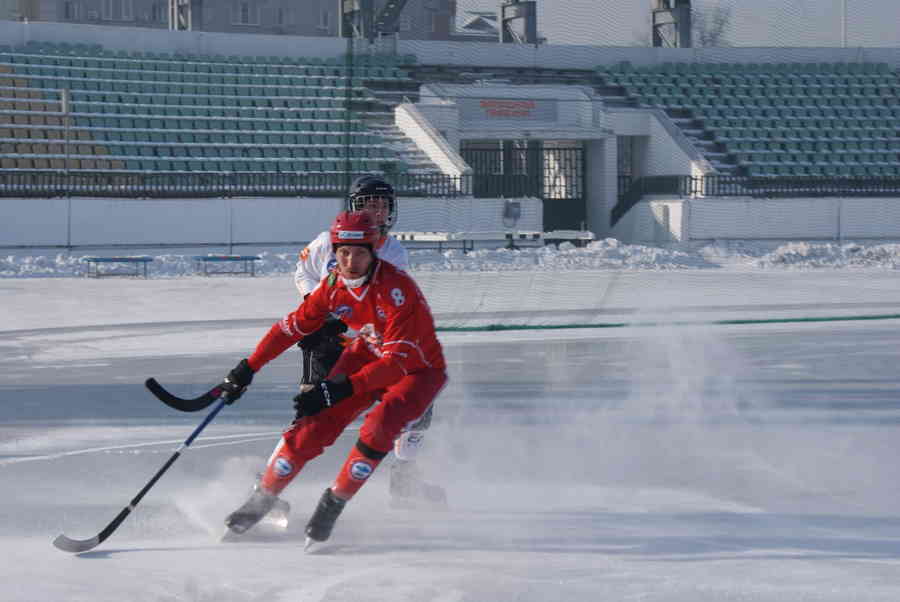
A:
(237, 381)
(315, 398)
(332, 327)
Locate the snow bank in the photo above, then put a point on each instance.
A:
(599, 255)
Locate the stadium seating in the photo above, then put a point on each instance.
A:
(779, 119)
(136, 111)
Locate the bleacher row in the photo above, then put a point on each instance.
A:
(146, 111)
(790, 119)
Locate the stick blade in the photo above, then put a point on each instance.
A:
(183, 405)
(67, 544)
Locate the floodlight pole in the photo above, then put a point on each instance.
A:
(64, 107)
(843, 23)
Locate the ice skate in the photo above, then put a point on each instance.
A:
(260, 505)
(321, 523)
(408, 489)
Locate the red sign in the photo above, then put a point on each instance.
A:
(507, 108)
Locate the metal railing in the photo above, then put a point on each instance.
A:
(752, 186)
(50, 184)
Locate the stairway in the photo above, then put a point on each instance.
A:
(691, 127)
(406, 150)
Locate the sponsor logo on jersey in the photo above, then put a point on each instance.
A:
(332, 263)
(343, 311)
(304, 254)
(283, 467)
(371, 336)
(360, 470)
(381, 315)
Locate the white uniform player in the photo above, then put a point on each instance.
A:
(317, 259)
(374, 195)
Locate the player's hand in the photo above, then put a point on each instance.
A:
(315, 398)
(332, 327)
(237, 381)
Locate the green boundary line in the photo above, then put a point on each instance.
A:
(497, 327)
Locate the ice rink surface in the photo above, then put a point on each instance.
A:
(680, 463)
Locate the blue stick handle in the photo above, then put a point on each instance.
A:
(82, 545)
(209, 418)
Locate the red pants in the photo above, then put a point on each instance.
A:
(401, 404)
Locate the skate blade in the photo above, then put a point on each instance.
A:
(269, 526)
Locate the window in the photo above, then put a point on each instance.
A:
(159, 12)
(245, 13)
(72, 10)
(405, 23)
(324, 19)
(118, 10)
(283, 16)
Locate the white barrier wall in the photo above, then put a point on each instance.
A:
(150, 222)
(665, 220)
(657, 221)
(762, 218)
(870, 218)
(33, 222)
(117, 221)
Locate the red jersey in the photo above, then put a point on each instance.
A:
(389, 311)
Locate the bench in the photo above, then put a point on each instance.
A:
(466, 240)
(138, 262)
(579, 238)
(436, 239)
(241, 264)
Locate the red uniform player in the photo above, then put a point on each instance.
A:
(393, 355)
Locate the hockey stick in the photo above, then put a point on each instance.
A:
(66, 544)
(184, 405)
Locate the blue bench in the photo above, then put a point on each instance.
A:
(138, 262)
(242, 264)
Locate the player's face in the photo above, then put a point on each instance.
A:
(376, 206)
(353, 261)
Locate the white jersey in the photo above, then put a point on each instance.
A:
(317, 258)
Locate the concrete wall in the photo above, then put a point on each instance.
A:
(656, 221)
(445, 118)
(667, 150)
(660, 220)
(497, 111)
(869, 218)
(601, 157)
(762, 218)
(151, 222)
(156, 40)
(278, 17)
(9, 9)
(589, 57)
(463, 54)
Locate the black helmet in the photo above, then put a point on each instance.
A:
(367, 186)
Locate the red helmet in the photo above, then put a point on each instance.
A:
(354, 228)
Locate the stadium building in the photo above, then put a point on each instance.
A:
(640, 143)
